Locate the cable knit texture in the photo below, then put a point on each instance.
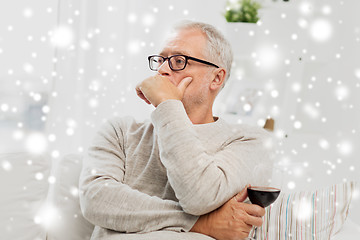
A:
(160, 175)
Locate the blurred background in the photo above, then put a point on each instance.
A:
(66, 66)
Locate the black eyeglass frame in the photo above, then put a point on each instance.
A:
(186, 61)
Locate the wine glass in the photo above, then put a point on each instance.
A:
(262, 196)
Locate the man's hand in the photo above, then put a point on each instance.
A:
(232, 221)
(157, 89)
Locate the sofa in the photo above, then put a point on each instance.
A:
(40, 200)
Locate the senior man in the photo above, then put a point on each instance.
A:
(182, 175)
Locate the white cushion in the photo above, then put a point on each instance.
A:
(70, 223)
(317, 214)
(24, 187)
(350, 230)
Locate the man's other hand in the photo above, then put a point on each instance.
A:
(232, 221)
(157, 89)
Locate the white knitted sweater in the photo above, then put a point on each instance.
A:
(152, 180)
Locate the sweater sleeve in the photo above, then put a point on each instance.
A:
(202, 181)
(109, 203)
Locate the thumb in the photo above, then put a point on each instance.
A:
(241, 196)
(184, 84)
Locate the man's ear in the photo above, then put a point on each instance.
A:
(219, 79)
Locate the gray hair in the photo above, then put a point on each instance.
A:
(218, 48)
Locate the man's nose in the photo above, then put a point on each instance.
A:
(164, 69)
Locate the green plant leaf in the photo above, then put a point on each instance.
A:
(242, 11)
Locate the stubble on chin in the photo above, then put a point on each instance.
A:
(193, 101)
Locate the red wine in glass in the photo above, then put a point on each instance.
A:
(262, 196)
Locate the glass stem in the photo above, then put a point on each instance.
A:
(255, 230)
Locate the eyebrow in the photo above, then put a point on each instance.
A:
(175, 53)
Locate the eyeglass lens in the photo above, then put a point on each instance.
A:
(175, 62)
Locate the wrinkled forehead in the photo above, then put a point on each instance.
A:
(190, 42)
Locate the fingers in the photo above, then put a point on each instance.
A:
(241, 196)
(157, 89)
(241, 213)
(253, 221)
(184, 84)
(251, 214)
(141, 95)
(254, 210)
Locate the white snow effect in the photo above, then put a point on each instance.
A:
(132, 17)
(306, 8)
(18, 134)
(52, 137)
(341, 92)
(275, 110)
(148, 20)
(297, 124)
(303, 209)
(45, 109)
(345, 147)
(74, 191)
(303, 23)
(321, 30)
(28, 68)
(39, 176)
(311, 111)
(36, 143)
(326, 10)
(36, 96)
(274, 93)
(291, 185)
(51, 179)
(324, 144)
(70, 131)
(261, 122)
(94, 85)
(357, 73)
(134, 47)
(4, 107)
(55, 154)
(247, 107)
(85, 45)
(62, 37)
(267, 58)
(280, 133)
(296, 87)
(71, 123)
(47, 215)
(28, 12)
(93, 103)
(6, 165)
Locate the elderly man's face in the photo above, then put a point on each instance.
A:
(191, 43)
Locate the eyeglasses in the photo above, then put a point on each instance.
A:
(176, 62)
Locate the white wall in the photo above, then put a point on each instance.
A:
(25, 67)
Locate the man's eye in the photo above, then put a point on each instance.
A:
(158, 61)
